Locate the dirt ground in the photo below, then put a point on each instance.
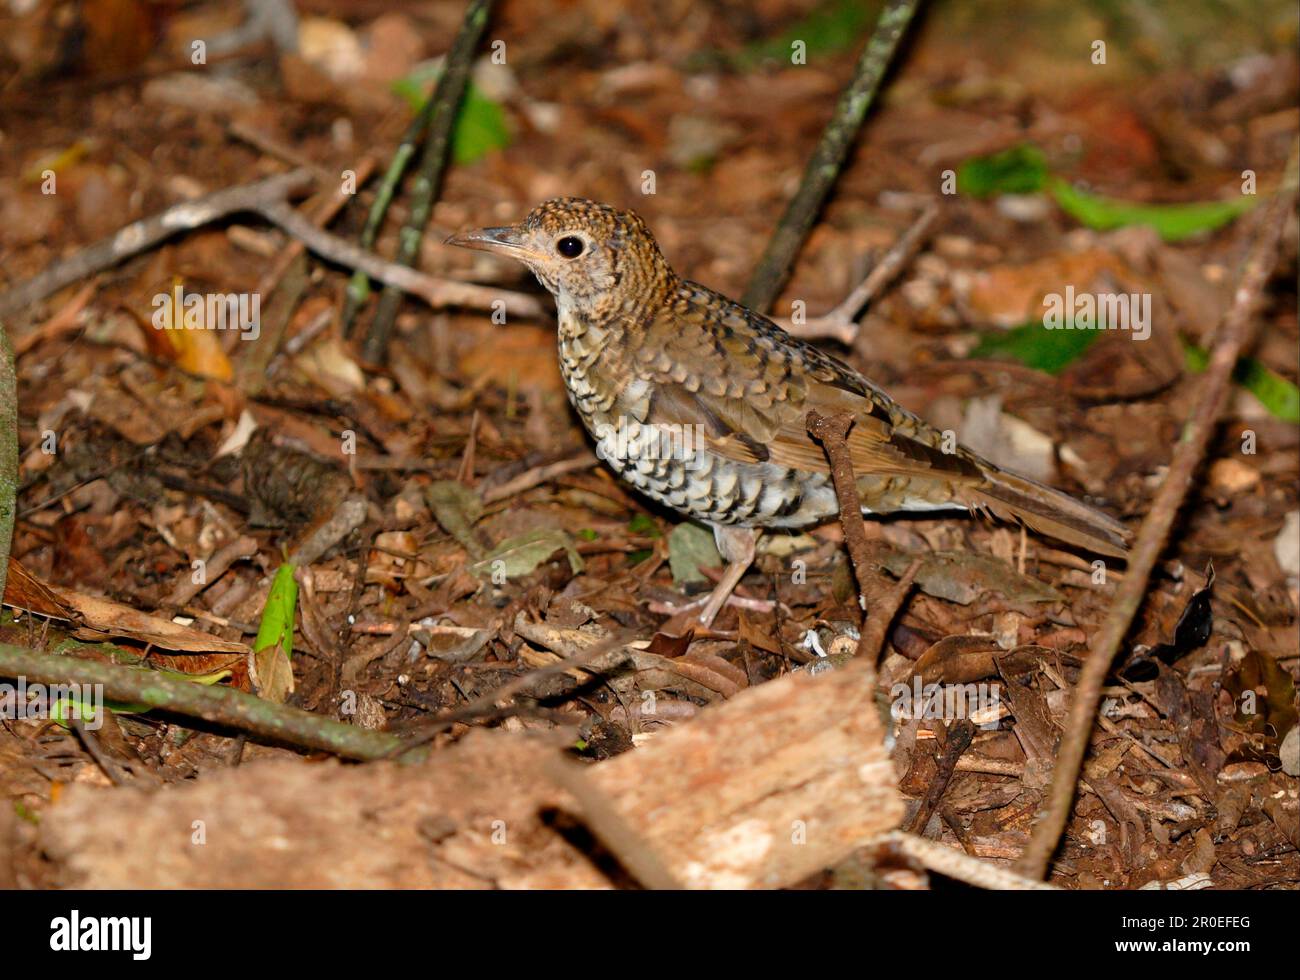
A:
(400, 486)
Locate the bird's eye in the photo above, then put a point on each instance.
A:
(570, 246)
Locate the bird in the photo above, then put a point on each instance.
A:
(701, 403)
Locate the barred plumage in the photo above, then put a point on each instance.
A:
(640, 347)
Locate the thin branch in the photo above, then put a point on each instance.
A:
(358, 288)
(631, 849)
(264, 197)
(507, 692)
(435, 291)
(879, 602)
(1234, 335)
(841, 323)
(147, 232)
(224, 706)
(8, 451)
(824, 166)
(942, 859)
(871, 639)
(539, 475)
(433, 164)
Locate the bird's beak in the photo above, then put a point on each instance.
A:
(503, 241)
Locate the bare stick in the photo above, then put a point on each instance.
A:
(236, 550)
(264, 197)
(824, 166)
(435, 291)
(943, 860)
(218, 705)
(539, 475)
(871, 639)
(147, 232)
(841, 323)
(880, 605)
(1234, 334)
(8, 451)
(508, 691)
(607, 823)
(358, 288)
(433, 164)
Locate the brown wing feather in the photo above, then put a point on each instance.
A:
(762, 417)
(750, 386)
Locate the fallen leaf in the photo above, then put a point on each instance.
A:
(98, 618)
(961, 577)
(522, 554)
(690, 548)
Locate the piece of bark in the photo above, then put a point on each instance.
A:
(783, 780)
(468, 817)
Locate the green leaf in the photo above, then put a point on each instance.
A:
(1019, 170)
(457, 508)
(276, 628)
(1173, 222)
(1034, 346)
(274, 643)
(84, 709)
(480, 128)
(832, 26)
(480, 122)
(1276, 393)
(643, 524)
(690, 548)
(522, 553)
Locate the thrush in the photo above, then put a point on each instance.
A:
(700, 403)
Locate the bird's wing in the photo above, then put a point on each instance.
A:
(750, 386)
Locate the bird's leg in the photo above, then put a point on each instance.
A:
(736, 545)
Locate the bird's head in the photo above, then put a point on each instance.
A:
(595, 259)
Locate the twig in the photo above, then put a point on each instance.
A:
(1233, 336)
(943, 860)
(147, 232)
(218, 705)
(215, 567)
(284, 283)
(358, 288)
(8, 451)
(433, 164)
(958, 739)
(322, 210)
(538, 475)
(65, 320)
(609, 826)
(107, 765)
(841, 323)
(824, 166)
(435, 291)
(879, 605)
(508, 691)
(264, 197)
(871, 639)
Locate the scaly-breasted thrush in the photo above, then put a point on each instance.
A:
(701, 404)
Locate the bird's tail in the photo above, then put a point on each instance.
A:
(1017, 498)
